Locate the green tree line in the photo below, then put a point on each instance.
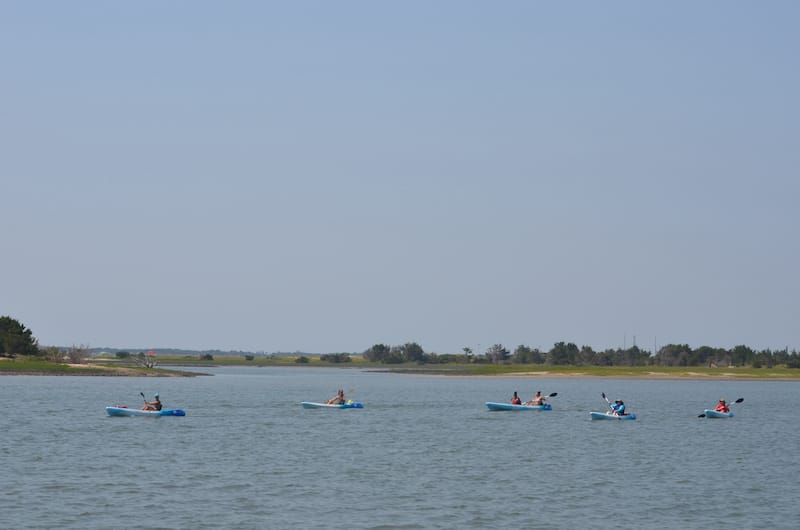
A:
(569, 354)
(16, 339)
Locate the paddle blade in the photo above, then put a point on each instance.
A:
(739, 400)
(701, 416)
(603, 394)
(554, 394)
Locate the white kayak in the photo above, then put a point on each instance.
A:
(710, 413)
(611, 416)
(125, 411)
(508, 406)
(348, 405)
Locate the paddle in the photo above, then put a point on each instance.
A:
(737, 401)
(144, 398)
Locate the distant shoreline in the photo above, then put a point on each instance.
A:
(11, 367)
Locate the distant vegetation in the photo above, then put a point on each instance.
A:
(568, 354)
(16, 339)
(336, 358)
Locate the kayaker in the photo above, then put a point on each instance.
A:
(516, 400)
(618, 408)
(537, 400)
(338, 399)
(153, 405)
(722, 406)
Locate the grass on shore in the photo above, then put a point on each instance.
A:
(32, 366)
(696, 372)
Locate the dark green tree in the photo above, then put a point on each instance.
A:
(413, 352)
(498, 354)
(377, 353)
(525, 355)
(673, 355)
(585, 356)
(16, 339)
(741, 355)
(562, 353)
(395, 355)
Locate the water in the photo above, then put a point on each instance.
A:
(423, 453)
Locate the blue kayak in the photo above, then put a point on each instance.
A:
(348, 405)
(611, 416)
(716, 414)
(125, 411)
(508, 406)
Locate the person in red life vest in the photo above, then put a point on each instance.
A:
(722, 406)
(516, 400)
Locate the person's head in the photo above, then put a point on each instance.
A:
(722, 401)
(515, 393)
(156, 397)
(618, 402)
(538, 392)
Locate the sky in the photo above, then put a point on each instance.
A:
(323, 176)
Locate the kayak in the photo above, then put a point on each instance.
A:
(610, 416)
(349, 405)
(125, 411)
(508, 406)
(716, 414)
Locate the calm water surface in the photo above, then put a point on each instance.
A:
(423, 453)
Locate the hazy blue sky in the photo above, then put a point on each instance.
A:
(323, 176)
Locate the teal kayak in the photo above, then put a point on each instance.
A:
(611, 416)
(348, 405)
(508, 406)
(710, 413)
(125, 411)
